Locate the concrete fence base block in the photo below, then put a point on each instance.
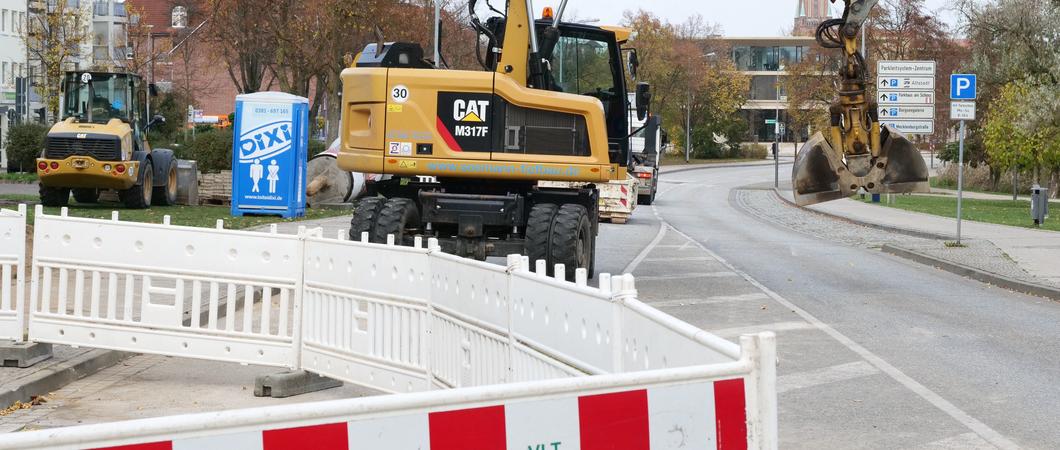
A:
(23, 354)
(291, 383)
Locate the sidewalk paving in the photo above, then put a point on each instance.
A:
(1036, 252)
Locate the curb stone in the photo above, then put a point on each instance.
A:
(50, 380)
(1001, 281)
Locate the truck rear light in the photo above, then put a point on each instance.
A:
(54, 165)
(106, 167)
(643, 174)
(42, 165)
(120, 168)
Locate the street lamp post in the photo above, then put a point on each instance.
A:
(776, 140)
(688, 127)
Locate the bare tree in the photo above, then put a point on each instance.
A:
(54, 36)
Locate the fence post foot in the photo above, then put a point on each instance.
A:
(290, 383)
(23, 354)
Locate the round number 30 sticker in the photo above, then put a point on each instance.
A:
(400, 94)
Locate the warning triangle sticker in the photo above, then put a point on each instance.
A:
(471, 117)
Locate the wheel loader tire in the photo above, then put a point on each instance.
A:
(399, 217)
(166, 194)
(538, 232)
(54, 196)
(139, 196)
(364, 217)
(572, 239)
(86, 195)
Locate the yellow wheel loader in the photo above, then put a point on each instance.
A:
(100, 144)
(858, 153)
(463, 151)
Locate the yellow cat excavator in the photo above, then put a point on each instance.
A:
(462, 152)
(859, 153)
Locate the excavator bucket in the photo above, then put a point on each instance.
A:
(820, 174)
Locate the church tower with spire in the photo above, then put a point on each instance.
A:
(808, 14)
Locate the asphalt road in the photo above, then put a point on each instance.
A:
(875, 351)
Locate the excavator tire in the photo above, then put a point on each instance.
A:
(54, 196)
(139, 196)
(86, 195)
(364, 217)
(572, 239)
(398, 217)
(538, 232)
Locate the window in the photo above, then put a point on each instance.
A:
(583, 66)
(3, 24)
(105, 97)
(119, 8)
(179, 17)
(3, 73)
(101, 7)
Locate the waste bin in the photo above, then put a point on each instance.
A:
(1039, 204)
(187, 182)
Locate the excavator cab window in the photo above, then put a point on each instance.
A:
(97, 97)
(587, 61)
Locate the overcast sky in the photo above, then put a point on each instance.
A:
(736, 17)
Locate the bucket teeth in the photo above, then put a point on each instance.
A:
(819, 175)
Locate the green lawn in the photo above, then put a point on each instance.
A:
(193, 216)
(1004, 212)
(30, 177)
(937, 183)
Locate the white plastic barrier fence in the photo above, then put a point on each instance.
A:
(699, 407)
(12, 273)
(157, 288)
(397, 319)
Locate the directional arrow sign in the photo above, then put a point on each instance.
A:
(907, 112)
(906, 98)
(911, 126)
(906, 83)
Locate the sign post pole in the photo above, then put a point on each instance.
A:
(962, 89)
(960, 181)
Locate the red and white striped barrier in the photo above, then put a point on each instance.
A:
(551, 363)
(718, 406)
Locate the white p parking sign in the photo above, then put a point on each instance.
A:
(962, 86)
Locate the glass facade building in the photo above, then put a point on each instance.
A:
(765, 61)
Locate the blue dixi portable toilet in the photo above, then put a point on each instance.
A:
(269, 149)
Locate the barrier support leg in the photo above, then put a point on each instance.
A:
(23, 354)
(760, 389)
(290, 383)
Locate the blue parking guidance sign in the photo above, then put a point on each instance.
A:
(962, 86)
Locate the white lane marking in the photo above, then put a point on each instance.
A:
(679, 258)
(707, 301)
(644, 253)
(753, 329)
(980, 428)
(683, 276)
(964, 441)
(825, 375)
